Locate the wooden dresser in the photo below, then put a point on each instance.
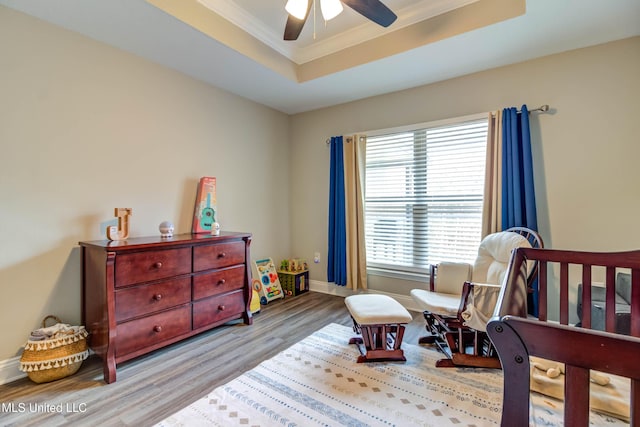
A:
(142, 294)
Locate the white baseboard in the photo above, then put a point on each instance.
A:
(329, 288)
(10, 370)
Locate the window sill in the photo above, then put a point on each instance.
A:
(394, 274)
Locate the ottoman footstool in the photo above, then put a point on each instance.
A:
(380, 320)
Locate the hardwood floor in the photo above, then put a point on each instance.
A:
(152, 387)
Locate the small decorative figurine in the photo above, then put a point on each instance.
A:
(166, 229)
(215, 229)
(121, 232)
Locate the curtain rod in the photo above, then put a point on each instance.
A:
(328, 140)
(543, 108)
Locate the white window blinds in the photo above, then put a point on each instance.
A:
(423, 195)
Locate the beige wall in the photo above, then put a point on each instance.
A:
(85, 128)
(586, 148)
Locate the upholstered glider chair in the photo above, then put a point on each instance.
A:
(461, 299)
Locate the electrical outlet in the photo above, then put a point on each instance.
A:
(316, 257)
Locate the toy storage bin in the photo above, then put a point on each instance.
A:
(294, 282)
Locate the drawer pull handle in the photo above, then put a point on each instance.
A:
(222, 254)
(221, 307)
(157, 265)
(157, 328)
(222, 282)
(157, 297)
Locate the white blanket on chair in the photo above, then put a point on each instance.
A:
(482, 302)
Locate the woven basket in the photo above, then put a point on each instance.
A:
(53, 359)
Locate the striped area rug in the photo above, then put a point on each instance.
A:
(318, 382)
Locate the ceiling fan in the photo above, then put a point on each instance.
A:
(298, 10)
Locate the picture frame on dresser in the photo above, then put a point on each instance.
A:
(145, 293)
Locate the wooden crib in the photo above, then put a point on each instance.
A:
(581, 349)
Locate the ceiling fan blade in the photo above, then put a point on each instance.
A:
(293, 28)
(375, 10)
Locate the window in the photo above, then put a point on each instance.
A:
(423, 195)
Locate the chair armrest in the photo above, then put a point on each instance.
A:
(485, 285)
(464, 298)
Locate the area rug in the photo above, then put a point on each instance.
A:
(318, 382)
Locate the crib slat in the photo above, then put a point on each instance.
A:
(586, 296)
(610, 305)
(635, 304)
(576, 396)
(635, 403)
(542, 291)
(564, 293)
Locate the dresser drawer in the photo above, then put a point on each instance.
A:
(147, 331)
(214, 309)
(218, 282)
(217, 256)
(151, 265)
(144, 299)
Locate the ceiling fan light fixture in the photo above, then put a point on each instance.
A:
(330, 8)
(297, 8)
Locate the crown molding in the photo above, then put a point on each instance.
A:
(239, 17)
(366, 31)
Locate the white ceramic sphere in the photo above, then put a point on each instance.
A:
(166, 229)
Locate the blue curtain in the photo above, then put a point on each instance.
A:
(337, 256)
(518, 193)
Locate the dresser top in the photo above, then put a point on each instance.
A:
(176, 240)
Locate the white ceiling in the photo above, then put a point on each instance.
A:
(547, 27)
